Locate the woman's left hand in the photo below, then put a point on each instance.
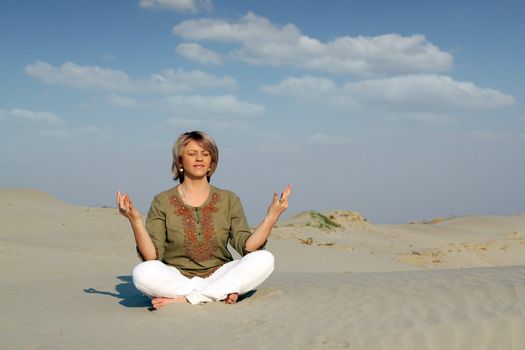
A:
(260, 236)
(279, 204)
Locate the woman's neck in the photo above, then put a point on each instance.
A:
(194, 193)
(196, 186)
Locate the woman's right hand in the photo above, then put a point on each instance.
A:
(126, 208)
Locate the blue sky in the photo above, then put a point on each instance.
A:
(400, 110)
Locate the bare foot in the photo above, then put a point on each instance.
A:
(231, 298)
(162, 301)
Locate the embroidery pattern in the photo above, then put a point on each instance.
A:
(198, 249)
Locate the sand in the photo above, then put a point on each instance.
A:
(340, 282)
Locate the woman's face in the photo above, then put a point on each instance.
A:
(195, 160)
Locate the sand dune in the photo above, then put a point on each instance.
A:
(341, 282)
(438, 243)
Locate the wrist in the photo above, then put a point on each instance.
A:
(271, 218)
(135, 221)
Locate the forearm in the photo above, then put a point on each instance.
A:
(261, 234)
(143, 240)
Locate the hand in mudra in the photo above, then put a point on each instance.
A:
(126, 208)
(279, 204)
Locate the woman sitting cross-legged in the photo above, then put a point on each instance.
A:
(184, 242)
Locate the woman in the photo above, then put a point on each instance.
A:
(184, 243)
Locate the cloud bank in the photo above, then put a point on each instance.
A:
(197, 53)
(265, 43)
(213, 107)
(408, 93)
(18, 114)
(103, 79)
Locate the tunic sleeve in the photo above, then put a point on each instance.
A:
(156, 226)
(239, 229)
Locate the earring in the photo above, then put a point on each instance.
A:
(181, 170)
(209, 169)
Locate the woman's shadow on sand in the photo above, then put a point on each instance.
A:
(126, 291)
(131, 297)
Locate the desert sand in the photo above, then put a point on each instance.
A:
(340, 282)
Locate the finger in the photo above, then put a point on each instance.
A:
(275, 197)
(287, 192)
(119, 199)
(120, 202)
(123, 203)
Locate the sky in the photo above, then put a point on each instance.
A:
(401, 111)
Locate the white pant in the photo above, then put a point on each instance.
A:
(156, 279)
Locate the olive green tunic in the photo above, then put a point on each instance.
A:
(195, 240)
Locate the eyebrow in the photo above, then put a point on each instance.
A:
(196, 150)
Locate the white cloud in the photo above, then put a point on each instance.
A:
(424, 91)
(180, 81)
(262, 42)
(196, 52)
(306, 87)
(328, 140)
(31, 116)
(81, 77)
(20, 121)
(412, 93)
(178, 5)
(95, 78)
(213, 107)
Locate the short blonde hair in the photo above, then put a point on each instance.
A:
(205, 141)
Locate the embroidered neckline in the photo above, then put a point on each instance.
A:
(198, 248)
(181, 200)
